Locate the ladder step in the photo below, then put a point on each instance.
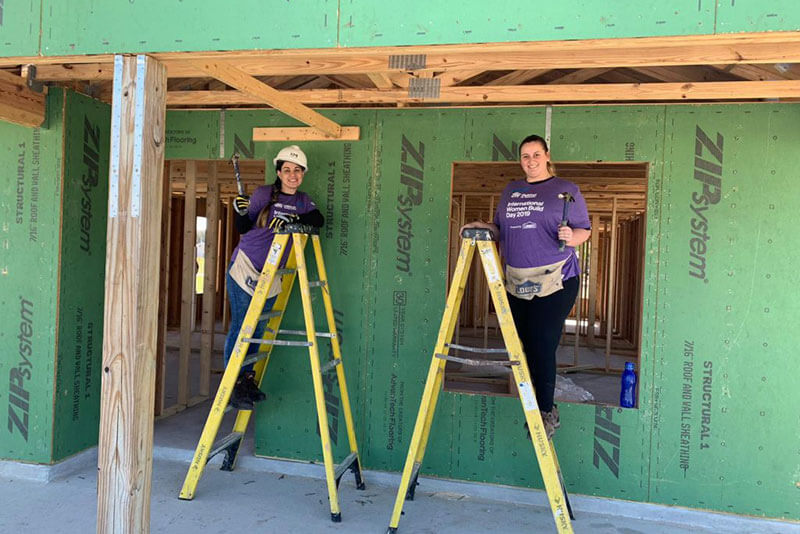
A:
(317, 283)
(269, 315)
(224, 443)
(285, 271)
(254, 358)
(280, 342)
(479, 350)
(344, 466)
(330, 365)
(466, 361)
(304, 333)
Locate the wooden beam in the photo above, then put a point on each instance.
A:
(130, 320)
(187, 281)
(617, 92)
(18, 104)
(281, 101)
(737, 48)
(207, 324)
(518, 77)
(348, 133)
(455, 77)
(579, 76)
(381, 80)
(163, 293)
(612, 275)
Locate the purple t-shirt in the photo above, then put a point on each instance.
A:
(257, 241)
(528, 216)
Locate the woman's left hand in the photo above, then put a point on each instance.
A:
(565, 233)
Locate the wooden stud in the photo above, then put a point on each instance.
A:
(163, 293)
(130, 320)
(229, 246)
(245, 83)
(594, 260)
(348, 133)
(187, 283)
(612, 269)
(208, 322)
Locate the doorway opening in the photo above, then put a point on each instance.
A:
(603, 330)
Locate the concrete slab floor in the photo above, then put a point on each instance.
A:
(272, 496)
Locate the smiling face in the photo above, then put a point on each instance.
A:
(291, 175)
(534, 158)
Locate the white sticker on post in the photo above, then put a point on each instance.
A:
(492, 274)
(274, 254)
(527, 396)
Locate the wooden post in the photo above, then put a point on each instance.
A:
(163, 292)
(209, 280)
(130, 325)
(226, 316)
(594, 262)
(187, 281)
(612, 273)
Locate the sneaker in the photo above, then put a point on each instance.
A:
(253, 391)
(551, 422)
(240, 397)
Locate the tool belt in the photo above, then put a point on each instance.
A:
(246, 276)
(528, 282)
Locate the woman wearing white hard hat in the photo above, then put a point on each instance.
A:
(257, 219)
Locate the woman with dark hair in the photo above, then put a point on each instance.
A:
(541, 272)
(257, 219)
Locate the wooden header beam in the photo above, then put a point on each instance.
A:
(279, 100)
(19, 104)
(725, 49)
(616, 92)
(348, 133)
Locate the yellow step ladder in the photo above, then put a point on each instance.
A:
(545, 452)
(294, 251)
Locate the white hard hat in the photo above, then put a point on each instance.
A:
(293, 154)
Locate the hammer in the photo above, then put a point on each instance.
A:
(239, 184)
(567, 199)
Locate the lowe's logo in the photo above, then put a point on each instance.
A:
(707, 171)
(529, 288)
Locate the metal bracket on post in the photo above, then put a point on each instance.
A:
(29, 73)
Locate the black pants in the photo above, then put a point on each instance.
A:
(539, 322)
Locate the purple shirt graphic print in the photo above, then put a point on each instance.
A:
(528, 216)
(257, 241)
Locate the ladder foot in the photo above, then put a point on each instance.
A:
(361, 486)
(391, 530)
(336, 518)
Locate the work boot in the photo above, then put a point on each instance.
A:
(240, 397)
(551, 421)
(253, 391)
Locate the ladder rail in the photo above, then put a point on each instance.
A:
(337, 350)
(421, 431)
(544, 453)
(229, 377)
(319, 396)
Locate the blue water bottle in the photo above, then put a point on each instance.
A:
(627, 393)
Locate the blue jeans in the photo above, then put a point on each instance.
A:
(240, 301)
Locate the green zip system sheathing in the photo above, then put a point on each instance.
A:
(54, 27)
(53, 209)
(717, 421)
